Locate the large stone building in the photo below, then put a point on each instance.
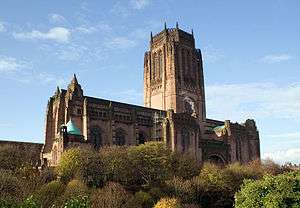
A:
(174, 111)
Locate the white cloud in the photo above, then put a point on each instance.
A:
(285, 136)
(58, 34)
(57, 18)
(120, 43)
(125, 10)
(120, 10)
(212, 54)
(254, 100)
(276, 58)
(87, 29)
(2, 27)
(11, 65)
(283, 156)
(139, 4)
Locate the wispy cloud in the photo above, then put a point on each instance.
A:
(283, 156)
(258, 100)
(58, 34)
(120, 9)
(139, 4)
(11, 65)
(212, 54)
(57, 18)
(276, 58)
(2, 27)
(285, 136)
(120, 43)
(125, 9)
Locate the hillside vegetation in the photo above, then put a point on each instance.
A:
(143, 176)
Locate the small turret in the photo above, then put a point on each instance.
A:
(177, 27)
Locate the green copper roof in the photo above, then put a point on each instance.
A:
(72, 128)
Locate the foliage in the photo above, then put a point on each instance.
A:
(11, 187)
(29, 203)
(144, 199)
(74, 189)
(77, 202)
(48, 193)
(168, 203)
(69, 164)
(281, 191)
(150, 163)
(116, 165)
(183, 165)
(91, 170)
(113, 195)
(11, 157)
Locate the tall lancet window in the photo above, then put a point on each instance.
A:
(155, 66)
(183, 61)
(160, 64)
(189, 60)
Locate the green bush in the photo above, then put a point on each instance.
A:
(183, 165)
(11, 157)
(150, 163)
(281, 191)
(116, 165)
(11, 188)
(144, 199)
(113, 195)
(74, 189)
(47, 195)
(91, 169)
(77, 202)
(69, 164)
(168, 203)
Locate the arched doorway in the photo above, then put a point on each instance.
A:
(216, 159)
(96, 137)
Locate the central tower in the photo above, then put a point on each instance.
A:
(173, 74)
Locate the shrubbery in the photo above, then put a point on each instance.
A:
(281, 191)
(144, 176)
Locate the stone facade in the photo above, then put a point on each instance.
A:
(174, 112)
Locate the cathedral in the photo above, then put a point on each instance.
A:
(174, 111)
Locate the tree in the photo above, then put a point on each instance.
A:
(168, 203)
(116, 165)
(281, 191)
(11, 188)
(113, 195)
(144, 199)
(11, 157)
(183, 165)
(69, 164)
(48, 193)
(150, 163)
(91, 169)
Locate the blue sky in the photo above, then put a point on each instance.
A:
(251, 55)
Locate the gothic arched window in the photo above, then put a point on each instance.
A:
(160, 64)
(185, 139)
(189, 64)
(120, 139)
(183, 61)
(96, 137)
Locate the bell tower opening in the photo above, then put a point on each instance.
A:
(173, 73)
